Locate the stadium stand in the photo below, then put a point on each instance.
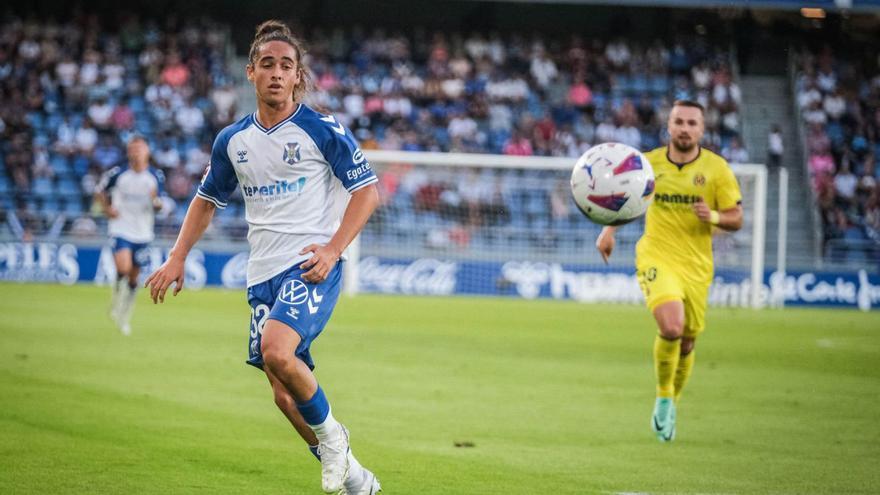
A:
(839, 101)
(84, 91)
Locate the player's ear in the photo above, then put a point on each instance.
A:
(249, 70)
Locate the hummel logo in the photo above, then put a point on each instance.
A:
(293, 313)
(313, 308)
(242, 156)
(337, 127)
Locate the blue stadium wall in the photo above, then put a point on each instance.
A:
(67, 263)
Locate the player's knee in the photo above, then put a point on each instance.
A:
(671, 329)
(273, 354)
(687, 345)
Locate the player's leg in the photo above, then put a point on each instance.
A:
(360, 480)
(685, 364)
(667, 351)
(279, 346)
(695, 321)
(122, 258)
(288, 314)
(128, 291)
(664, 296)
(667, 345)
(287, 405)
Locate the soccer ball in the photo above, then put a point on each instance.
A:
(612, 184)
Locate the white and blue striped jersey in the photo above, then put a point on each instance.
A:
(131, 194)
(295, 178)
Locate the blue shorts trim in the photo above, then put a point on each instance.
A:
(138, 250)
(303, 306)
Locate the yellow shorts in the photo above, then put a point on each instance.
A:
(661, 283)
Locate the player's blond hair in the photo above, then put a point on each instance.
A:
(275, 30)
(689, 103)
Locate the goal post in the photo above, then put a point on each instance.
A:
(497, 224)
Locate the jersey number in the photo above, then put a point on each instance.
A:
(259, 315)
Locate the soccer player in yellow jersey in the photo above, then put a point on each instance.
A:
(695, 193)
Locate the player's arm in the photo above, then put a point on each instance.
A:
(197, 219)
(107, 208)
(361, 205)
(158, 191)
(728, 214)
(108, 181)
(605, 242)
(156, 200)
(217, 184)
(730, 219)
(352, 169)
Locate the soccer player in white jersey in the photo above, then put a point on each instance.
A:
(308, 191)
(130, 197)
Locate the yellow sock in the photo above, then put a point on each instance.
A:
(666, 353)
(683, 372)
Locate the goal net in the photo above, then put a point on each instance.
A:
(495, 225)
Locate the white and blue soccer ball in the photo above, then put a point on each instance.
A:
(612, 184)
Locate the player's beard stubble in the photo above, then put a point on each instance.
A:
(683, 146)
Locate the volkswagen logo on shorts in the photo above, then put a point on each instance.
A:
(293, 292)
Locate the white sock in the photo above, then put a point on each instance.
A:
(329, 430)
(356, 474)
(127, 306)
(117, 295)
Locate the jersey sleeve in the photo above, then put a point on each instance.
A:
(727, 193)
(346, 159)
(160, 181)
(220, 179)
(108, 180)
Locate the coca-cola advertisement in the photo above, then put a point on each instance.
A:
(68, 263)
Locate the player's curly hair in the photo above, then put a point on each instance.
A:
(275, 30)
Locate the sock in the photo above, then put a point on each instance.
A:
(356, 474)
(666, 354)
(316, 412)
(314, 450)
(116, 296)
(126, 306)
(683, 372)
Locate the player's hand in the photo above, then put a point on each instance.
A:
(605, 243)
(172, 271)
(112, 212)
(702, 210)
(320, 264)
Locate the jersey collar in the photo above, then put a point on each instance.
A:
(278, 125)
(681, 165)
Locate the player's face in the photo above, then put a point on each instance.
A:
(138, 155)
(275, 72)
(686, 127)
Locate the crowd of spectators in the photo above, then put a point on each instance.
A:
(839, 100)
(514, 95)
(71, 93)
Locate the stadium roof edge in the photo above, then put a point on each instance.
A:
(793, 5)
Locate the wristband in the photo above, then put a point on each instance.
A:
(714, 217)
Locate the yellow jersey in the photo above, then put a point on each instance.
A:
(673, 233)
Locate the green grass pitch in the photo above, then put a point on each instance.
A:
(554, 396)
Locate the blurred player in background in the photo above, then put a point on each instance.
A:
(696, 191)
(296, 169)
(130, 197)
